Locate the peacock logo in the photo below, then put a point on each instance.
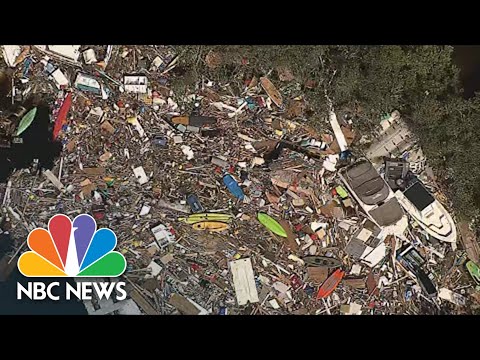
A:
(72, 249)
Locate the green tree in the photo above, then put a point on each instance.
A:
(420, 81)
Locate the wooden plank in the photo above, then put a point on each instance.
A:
(291, 243)
(94, 171)
(317, 274)
(469, 242)
(356, 283)
(143, 303)
(183, 305)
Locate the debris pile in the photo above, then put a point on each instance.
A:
(227, 203)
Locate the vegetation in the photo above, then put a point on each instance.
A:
(420, 81)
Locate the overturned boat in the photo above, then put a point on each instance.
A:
(428, 212)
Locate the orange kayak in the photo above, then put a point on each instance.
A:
(330, 284)
(210, 226)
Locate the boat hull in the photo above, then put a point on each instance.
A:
(447, 232)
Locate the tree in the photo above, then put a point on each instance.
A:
(420, 81)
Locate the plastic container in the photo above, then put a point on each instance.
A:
(233, 186)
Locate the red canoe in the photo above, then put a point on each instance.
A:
(62, 115)
(330, 284)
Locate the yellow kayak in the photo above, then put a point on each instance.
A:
(210, 226)
(194, 218)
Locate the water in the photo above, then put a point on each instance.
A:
(467, 58)
(37, 144)
(9, 305)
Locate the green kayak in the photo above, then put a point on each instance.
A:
(474, 270)
(26, 121)
(271, 224)
(195, 218)
(341, 192)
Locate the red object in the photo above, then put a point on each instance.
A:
(298, 227)
(62, 115)
(244, 61)
(231, 169)
(195, 267)
(330, 284)
(295, 282)
(98, 215)
(334, 192)
(314, 237)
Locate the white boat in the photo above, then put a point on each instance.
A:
(428, 212)
(374, 196)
